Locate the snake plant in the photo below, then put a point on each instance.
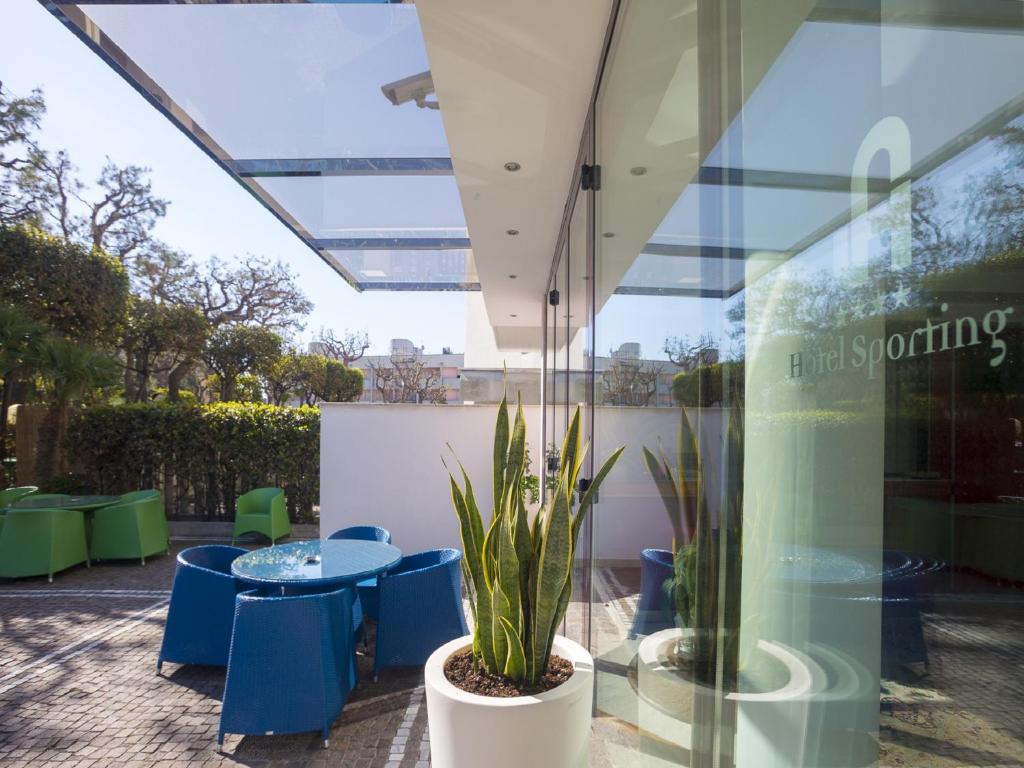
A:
(518, 574)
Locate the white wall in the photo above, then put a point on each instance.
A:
(381, 464)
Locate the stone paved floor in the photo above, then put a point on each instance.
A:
(78, 685)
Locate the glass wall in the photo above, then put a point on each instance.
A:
(808, 288)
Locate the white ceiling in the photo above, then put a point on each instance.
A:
(514, 81)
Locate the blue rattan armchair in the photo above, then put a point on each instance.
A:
(368, 594)
(654, 610)
(292, 664)
(198, 628)
(420, 608)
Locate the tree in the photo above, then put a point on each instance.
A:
(20, 340)
(69, 370)
(311, 379)
(118, 218)
(78, 293)
(337, 383)
(257, 292)
(19, 119)
(158, 337)
(237, 349)
(629, 382)
(407, 379)
(687, 354)
(348, 347)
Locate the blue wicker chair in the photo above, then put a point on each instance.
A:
(198, 628)
(368, 593)
(420, 608)
(654, 610)
(292, 663)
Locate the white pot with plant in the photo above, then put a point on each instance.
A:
(514, 693)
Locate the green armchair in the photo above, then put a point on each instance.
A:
(37, 542)
(130, 530)
(262, 510)
(11, 495)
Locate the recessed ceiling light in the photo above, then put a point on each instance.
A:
(512, 232)
(638, 170)
(512, 277)
(608, 234)
(512, 166)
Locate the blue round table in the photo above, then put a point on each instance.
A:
(317, 563)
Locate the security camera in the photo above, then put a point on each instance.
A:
(415, 88)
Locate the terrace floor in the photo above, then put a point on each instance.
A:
(78, 685)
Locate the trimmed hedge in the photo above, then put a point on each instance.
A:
(703, 387)
(201, 456)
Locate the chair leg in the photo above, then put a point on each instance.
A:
(143, 561)
(159, 665)
(50, 577)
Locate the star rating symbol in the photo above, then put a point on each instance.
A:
(901, 297)
(878, 305)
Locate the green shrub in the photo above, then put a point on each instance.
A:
(201, 456)
(703, 386)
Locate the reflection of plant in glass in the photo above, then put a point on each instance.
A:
(697, 545)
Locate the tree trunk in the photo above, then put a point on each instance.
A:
(5, 407)
(175, 377)
(49, 446)
(142, 390)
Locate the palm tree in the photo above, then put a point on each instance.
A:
(70, 370)
(20, 338)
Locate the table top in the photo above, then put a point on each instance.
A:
(317, 562)
(68, 502)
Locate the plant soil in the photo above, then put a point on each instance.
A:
(463, 673)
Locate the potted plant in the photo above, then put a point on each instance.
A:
(515, 693)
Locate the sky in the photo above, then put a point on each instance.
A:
(94, 113)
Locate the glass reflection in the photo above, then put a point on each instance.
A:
(809, 555)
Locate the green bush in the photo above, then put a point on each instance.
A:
(703, 386)
(201, 456)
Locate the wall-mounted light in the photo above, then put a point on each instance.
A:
(638, 170)
(512, 166)
(512, 277)
(512, 232)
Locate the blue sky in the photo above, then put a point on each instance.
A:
(92, 112)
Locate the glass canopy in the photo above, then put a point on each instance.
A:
(289, 99)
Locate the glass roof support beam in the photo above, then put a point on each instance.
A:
(222, 2)
(343, 166)
(991, 15)
(812, 182)
(391, 243)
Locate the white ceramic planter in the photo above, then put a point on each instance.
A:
(549, 730)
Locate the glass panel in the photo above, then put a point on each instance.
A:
(372, 206)
(288, 80)
(810, 228)
(377, 269)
